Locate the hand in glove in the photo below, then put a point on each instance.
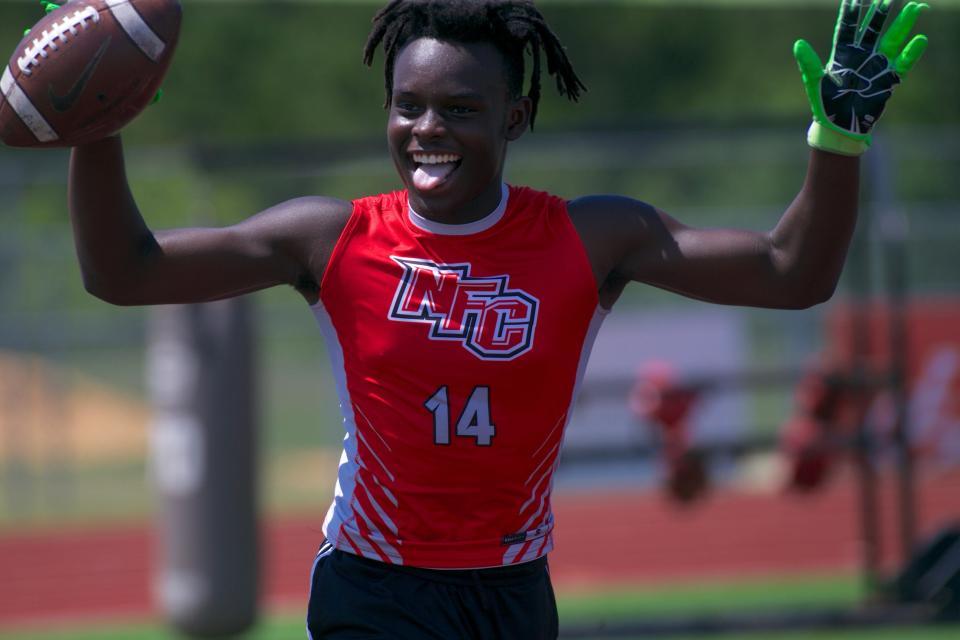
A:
(849, 94)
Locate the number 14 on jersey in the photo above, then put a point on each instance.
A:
(474, 421)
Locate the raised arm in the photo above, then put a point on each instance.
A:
(798, 263)
(125, 263)
(795, 265)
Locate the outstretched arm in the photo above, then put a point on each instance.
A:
(124, 262)
(795, 265)
(798, 263)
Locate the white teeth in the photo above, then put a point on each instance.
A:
(435, 158)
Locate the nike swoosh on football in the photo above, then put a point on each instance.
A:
(66, 102)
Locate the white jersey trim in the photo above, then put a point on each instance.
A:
(341, 510)
(468, 229)
(339, 525)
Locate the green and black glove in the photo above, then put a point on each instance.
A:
(849, 94)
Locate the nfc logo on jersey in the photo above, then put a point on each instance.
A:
(491, 320)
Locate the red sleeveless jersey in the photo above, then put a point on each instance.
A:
(457, 350)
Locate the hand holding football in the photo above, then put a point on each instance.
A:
(85, 70)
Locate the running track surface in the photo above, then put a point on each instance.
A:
(602, 540)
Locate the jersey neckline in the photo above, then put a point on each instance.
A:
(468, 229)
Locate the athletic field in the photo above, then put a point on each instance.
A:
(77, 549)
(738, 553)
(600, 610)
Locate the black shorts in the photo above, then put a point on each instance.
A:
(353, 597)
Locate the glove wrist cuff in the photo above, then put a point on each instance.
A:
(828, 139)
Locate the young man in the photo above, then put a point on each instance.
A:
(459, 312)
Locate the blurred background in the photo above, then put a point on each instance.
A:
(720, 458)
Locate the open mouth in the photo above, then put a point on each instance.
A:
(432, 169)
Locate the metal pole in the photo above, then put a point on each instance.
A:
(893, 230)
(859, 271)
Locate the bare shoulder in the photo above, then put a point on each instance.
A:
(305, 230)
(605, 213)
(308, 217)
(611, 228)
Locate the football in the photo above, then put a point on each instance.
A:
(85, 70)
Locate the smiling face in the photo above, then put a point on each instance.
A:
(451, 117)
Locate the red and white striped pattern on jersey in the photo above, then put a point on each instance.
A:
(539, 540)
(457, 353)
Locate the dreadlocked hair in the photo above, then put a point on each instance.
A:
(512, 26)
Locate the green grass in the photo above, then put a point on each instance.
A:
(612, 606)
(712, 597)
(901, 633)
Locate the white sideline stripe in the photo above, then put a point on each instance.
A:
(138, 30)
(24, 109)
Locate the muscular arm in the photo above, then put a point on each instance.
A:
(125, 263)
(795, 265)
(798, 263)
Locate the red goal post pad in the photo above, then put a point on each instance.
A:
(932, 327)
